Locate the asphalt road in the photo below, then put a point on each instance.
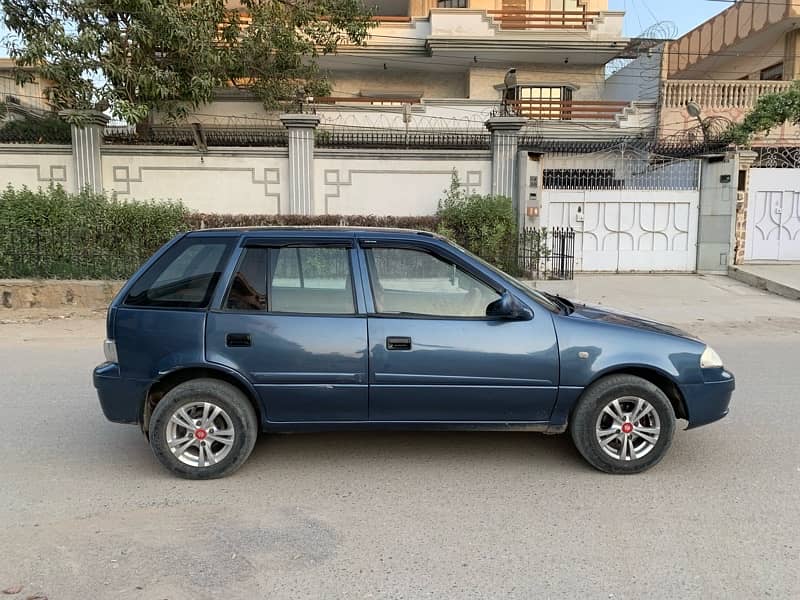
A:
(87, 513)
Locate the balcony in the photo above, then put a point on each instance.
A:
(730, 100)
(719, 95)
(568, 110)
(542, 19)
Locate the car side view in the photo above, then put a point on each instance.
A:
(223, 334)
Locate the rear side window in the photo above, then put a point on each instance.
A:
(184, 277)
(248, 289)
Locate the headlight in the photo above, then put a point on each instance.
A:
(110, 350)
(710, 359)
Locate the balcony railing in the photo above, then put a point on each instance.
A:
(568, 110)
(543, 19)
(711, 95)
(372, 100)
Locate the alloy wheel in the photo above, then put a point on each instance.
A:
(628, 428)
(200, 434)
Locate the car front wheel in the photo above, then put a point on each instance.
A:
(203, 429)
(623, 424)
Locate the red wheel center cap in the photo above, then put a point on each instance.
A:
(627, 427)
(200, 434)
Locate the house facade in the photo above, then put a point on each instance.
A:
(511, 95)
(433, 75)
(30, 96)
(723, 67)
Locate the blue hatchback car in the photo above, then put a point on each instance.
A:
(226, 333)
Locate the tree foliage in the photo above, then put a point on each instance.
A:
(141, 56)
(771, 111)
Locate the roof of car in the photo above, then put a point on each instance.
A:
(317, 229)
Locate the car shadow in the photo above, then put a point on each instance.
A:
(395, 449)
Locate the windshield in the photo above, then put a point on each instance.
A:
(531, 293)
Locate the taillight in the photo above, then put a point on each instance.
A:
(110, 350)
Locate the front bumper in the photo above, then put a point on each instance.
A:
(122, 400)
(709, 401)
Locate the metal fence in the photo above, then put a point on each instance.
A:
(82, 252)
(388, 139)
(546, 253)
(211, 136)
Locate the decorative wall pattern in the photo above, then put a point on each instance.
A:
(216, 185)
(413, 187)
(35, 169)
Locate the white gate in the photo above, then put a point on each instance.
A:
(773, 215)
(629, 214)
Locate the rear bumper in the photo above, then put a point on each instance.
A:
(710, 401)
(121, 399)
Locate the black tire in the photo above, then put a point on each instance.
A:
(238, 411)
(592, 403)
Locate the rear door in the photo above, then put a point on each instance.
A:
(290, 323)
(436, 357)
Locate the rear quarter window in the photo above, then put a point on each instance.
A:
(185, 276)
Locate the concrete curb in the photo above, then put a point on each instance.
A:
(56, 293)
(762, 283)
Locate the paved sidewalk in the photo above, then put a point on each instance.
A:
(697, 303)
(783, 280)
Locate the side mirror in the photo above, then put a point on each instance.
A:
(509, 308)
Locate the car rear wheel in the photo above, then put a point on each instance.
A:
(203, 429)
(623, 424)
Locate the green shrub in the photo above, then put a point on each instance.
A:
(485, 225)
(206, 221)
(50, 233)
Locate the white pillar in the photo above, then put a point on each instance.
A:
(505, 134)
(301, 162)
(87, 137)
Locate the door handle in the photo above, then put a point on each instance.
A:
(398, 343)
(238, 340)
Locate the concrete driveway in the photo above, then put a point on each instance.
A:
(88, 513)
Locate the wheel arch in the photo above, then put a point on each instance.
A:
(175, 377)
(655, 376)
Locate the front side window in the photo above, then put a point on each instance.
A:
(414, 282)
(293, 280)
(184, 277)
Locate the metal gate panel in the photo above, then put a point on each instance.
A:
(629, 230)
(631, 212)
(773, 215)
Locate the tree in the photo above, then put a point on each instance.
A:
(140, 56)
(772, 110)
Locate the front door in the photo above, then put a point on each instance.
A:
(436, 357)
(289, 323)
